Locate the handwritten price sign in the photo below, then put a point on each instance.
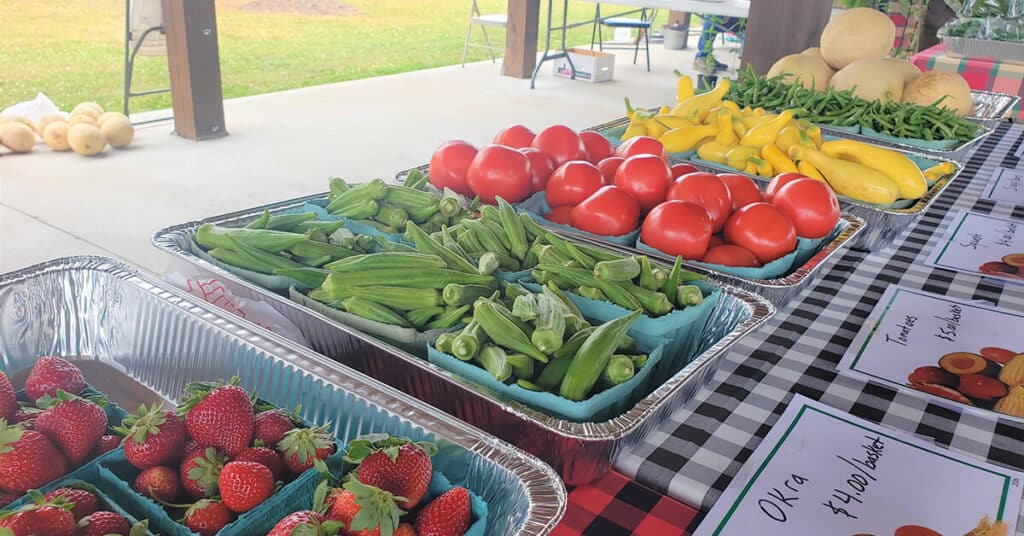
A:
(1006, 185)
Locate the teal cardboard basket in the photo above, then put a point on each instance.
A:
(93, 486)
(933, 145)
(537, 208)
(439, 484)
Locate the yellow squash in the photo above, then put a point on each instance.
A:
(938, 171)
(806, 169)
(726, 135)
(849, 178)
(697, 106)
(764, 167)
(779, 160)
(654, 127)
(739, 157)
(672, 121)
(902, 170)
(791, 135)
(766, 131)
(681, 140)
(636, 128)
(713, 151)
(684, 86)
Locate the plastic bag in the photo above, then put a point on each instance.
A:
(212, 290)
(33, 110)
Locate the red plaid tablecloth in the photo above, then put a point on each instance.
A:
(980, 73)
(617, 506)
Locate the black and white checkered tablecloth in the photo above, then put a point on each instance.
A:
(694, 454)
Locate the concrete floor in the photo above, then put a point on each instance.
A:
(283, 145)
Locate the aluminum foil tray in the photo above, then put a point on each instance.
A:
(580, 452)
(145, 341)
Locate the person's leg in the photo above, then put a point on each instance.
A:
(707, 37)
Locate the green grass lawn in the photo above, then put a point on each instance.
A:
(72, 50)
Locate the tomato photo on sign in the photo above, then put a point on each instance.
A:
(561, 143)
(642, 145)
(779, 181)
(706, 190)
(499, 171)
(598, 147)
(562, 215)
(608, 166)
(571, 183)
(811, 205)
(763, 229)
(677, 228)
(609, 212)
(541, 167)
(449, 165)
(742, 189)
(515, 136)
(645, 177)
(678, 170)
(730, 255)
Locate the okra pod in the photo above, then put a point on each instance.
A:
(311, 277)
(591, 293)
(467, 343)
(259, 255)
(420, 317)
(370, 191)
(624, 269)
(687, 295)
(422, 214)
(385, 260)
(337, 186)
(236, 259)
(210, 236)
(261, 222)
(654, 302)
(639, 361)
(289, 222)
(456, 295)
(487, 239)
(551, 377)
(450, 203)
(313, 262)
(409, 198)
(528, 385)
(493, 359)
(514, 229)
(313, 249)
(522, 365)
(514, 290)
(549, 332)
(392, 215)
(366, 242)
(449, 318)
(487, 263)
(327, 227)
(399, 298)
(619, 370)
(499, 232)
(525, 307)
(382, 227)
(503, 330)
(647, 274)
(387, 246)
(592, 358)
(358, 211)
(369, 310)
(425, 244)
(404, 277)
(443, 343)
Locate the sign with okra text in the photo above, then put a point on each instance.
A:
(984, 245)
(823, 471)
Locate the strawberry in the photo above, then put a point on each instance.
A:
(365, 510)
(301, 447)
(263, 455)
(207, 517)
(306, 523)
(18, 523)
(447, 515)
(27, 459)
(405, 529)
(219, 416)
(244, 485)
(270, 427)
(83, 502)
(72, 423)
(160, 482)
(103, 523)
(152, 437)
(200, 471)
(41, 518)
(8, 401)
(106, 444)
(50, 374)
(394, 464)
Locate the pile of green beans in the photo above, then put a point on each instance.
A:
(833, 107)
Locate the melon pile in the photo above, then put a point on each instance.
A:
(854, 51)
(87, 131)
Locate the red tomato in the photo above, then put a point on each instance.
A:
(561, 215)
(499, 171)
(678, 170)
(515, 136)
(541, 167)
(764, 230)
(716, 240)
(561, 143)
(811, 205)
(706, 190)
(598, 147)
(642, 145)
(646, 178)
(677, 228)
(730, 255)
(449, 164)
(743, 189)
(571, 183)
(609, 212)
(779, 181)
(608, 166)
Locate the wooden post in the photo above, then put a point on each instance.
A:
(782, 27)
(194, 63)
(521, 38)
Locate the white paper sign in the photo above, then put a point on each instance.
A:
(822, 471)
(915, 338)
(1006, 185)
(983, 245)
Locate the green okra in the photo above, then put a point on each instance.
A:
(399, 298)
(421, 316)
(210, 236)
(310, 277)
(261, 222)
(494, 359)
(314, 249)
(522, 365)
(259, 255)
(289, 222)
(443, 343)
(428, 245)
(467, 342)
(449, 318)
(386, 260)
(487, 263)
(688, 295)
(620, 369)
(593, 356)
(525, 307)
(327, 227)
(457, 295)
(392, 216)
(370, 310)
(503, 330)
(624, 269)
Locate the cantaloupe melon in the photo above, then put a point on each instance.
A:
(908, 70)
(118, 131)
(933, 85)
(86, 139)
(810, 70)
(17, 136)
(870, 80)
(46, 120)
(856, 34)
(93, 109)
(56, 135)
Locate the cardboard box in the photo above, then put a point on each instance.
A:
(591, 65)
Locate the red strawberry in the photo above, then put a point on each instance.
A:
(27, 459)
(160, 482)
(51, 373)
(207, 517)
(447, 515)
(19, 523)
(244, 485)
(152, 437)
(270, 427)
(365, 510)
(106, 444)
(405, 529)
(219, 416)
(72, 423)
(264, 456)
(103, 523)
(395, 465)
(83, 502)
(311, 523)
(200, 471)
(302, 446)
(8, 498)
(8, 401)
(42, 518)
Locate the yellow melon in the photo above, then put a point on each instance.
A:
(856, 34)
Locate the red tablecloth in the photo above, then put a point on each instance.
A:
(617, 506)
(980, 73)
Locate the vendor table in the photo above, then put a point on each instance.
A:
(980, 73)
(694, 454)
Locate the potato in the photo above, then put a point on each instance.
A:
(870, 80)
(856, 34)
(809, 70)
(86, 139)
(56, 135)
(118, 131)
(17, 136)
(933, 85)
